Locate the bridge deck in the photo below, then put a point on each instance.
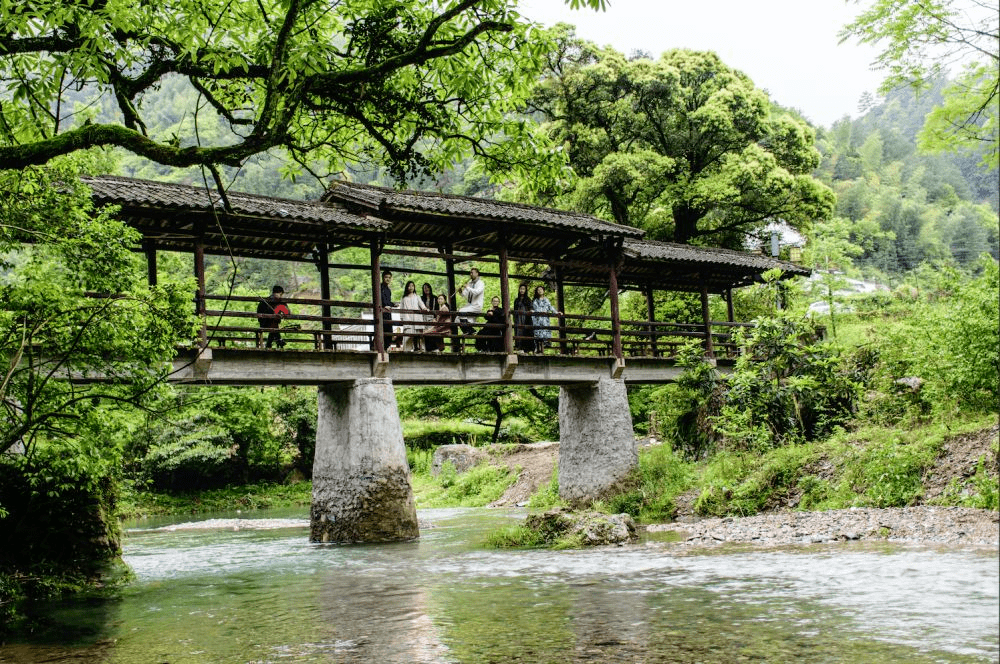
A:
(238, 366)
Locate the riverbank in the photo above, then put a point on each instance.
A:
(945, 478)
(924, 524)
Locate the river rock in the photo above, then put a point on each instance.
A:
(593, 528)
(463, 457)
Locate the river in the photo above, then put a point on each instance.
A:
(252, 589)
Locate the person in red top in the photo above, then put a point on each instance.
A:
(270, 311)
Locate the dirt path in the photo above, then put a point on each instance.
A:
(533, 464)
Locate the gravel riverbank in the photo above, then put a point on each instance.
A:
(923, 524)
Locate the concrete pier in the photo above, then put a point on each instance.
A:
(596, 440)
(361, 481)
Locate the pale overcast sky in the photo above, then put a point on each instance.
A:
(788, 47)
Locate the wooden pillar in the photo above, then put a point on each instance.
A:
(651, 317)
(149, 248)
(378, 342)
(730, 313)
(324, 292)
(616, 325)
(706, 318)
(449, 268)
(199, 273)
(508, 331)
(561, 306)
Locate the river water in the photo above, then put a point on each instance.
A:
(252, 589)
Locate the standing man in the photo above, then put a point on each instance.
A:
(473, 291)
(387, 305)
(270, 311)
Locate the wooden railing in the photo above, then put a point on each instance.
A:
(233, 322)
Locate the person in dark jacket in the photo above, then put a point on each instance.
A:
(524, 331)
(270, 311)
(490, 337)
(387, 305)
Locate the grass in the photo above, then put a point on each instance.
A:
(870, 467)
(476, 487)
(134, 503)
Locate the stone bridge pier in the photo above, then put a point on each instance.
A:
(361, 481)
(596, 440)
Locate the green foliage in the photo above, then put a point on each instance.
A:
(547, 496)
(785, 388)
(517, 536)
(227, 436)
(407, 85)
(984, 493)
(920, 40)
(662, 475)
(949, 340)
(419, 460)
(528, 412)
(50, 329)
(139, 502)
(476, 487)
(428, 434)
(683, 146)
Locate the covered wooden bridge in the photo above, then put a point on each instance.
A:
(432, 238)
(361, 486)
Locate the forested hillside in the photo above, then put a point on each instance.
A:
(906, 207)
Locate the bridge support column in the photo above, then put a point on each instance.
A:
(596, 440)
(361, 481)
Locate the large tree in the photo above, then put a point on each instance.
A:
(920, 41)
(409, 84)
(682, 146)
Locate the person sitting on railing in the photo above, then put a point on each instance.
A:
(541, 306)
(524, 331)
(270, 311)
(434, 337)
(411, 304)
(490, 337)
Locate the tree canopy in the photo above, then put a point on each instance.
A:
(682, 146)
(921, 39)
(407, 84)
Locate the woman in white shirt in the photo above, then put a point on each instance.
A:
(411, 306)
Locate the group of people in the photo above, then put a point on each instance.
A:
(426, 318)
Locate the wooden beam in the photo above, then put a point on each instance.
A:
(561, 306)
(199, 273)
(707, 321)
(378, 342)
(730, 313)
(651, 316)
(449, 267)
(323, 264)
(149, 248)
(616, 325)
(508, 333)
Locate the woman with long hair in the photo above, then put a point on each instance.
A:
(524, 330)
(541, 307)
(412, 305)
(442, 326)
